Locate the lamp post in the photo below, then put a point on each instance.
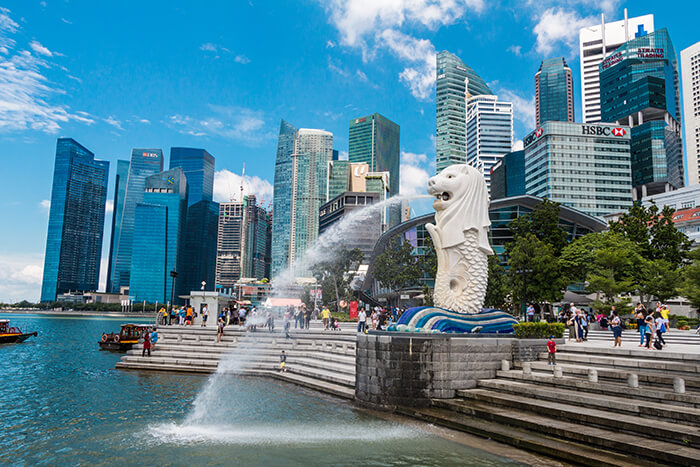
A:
(173, 274)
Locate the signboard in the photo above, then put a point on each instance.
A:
(593, 130)
(353, 310)
(529, 139)
(315, 293)
(648, 52)
(611, 60)
(405, 297)
(152, 155)
(248, 290)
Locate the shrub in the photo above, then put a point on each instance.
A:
(541, 330)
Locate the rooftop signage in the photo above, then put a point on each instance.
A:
(647, 52)
(594, 130)
(152, 155)
(532, 136)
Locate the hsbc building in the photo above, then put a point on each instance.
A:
(583, 166)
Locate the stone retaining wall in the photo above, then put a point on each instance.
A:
(409, 369)
(526, 350)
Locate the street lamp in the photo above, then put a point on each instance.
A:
(173, 274)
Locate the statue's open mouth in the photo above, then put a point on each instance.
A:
(444, 196)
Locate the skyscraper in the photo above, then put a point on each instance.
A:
(300, 189)
(159, 227)
(455, 82)
(375, 141)
(143, 164)
(338, 176)
(243, 246)
(282, 200)
(639, 88)
(76, 221)
(690, 74)
(595, 43)
(554, 92)
(489, 132)
(120, 183)
(199, 252)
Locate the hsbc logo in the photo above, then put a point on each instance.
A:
(533, 136)
(592, 130)
(539, 132)
(619, 132)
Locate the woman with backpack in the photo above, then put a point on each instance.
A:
(660, 328)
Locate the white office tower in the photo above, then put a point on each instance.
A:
(598, 41)
(690, 76)
(489, 132)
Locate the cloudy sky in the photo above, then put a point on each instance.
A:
(221, 75)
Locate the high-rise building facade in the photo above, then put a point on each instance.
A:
(301, 175)
(582, 166)
(554, 92)
(489, 132)
(282, 198)
(375, 141)
(595, 43)
(120, 183)
(199, 253)
(508, 176)
(455, 82)
(338, 176)
(159, 229)
(690, 77)
(364, 238)
(639, 88)
(76, 221)
(243, 245)
(143, 164)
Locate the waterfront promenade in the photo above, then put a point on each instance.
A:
(596, 407)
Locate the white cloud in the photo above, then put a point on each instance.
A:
(515, 49)
(227, 186)
(25, 90)
(208, 47)
(242, 59)
(523, 107)
(236, 123)
(216, 48)
(114, 122)
(370, 25)
(518, 145)
(45, 204)
(557, 26)
(20, 277)
(145, 120)
(330, 44)
(40, 49)
(414, 176)
(66, 21)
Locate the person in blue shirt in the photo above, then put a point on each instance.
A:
(154, 338)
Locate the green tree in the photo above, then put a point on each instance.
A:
(691, 279)
(534, 271)
(497, 288)
(543, 223)
(334, 273)
(659, 279)
(396, 267)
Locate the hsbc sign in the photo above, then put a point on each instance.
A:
(592, 130)
(532, 136)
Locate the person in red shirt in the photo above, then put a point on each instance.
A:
(146, 343)
(552, 351)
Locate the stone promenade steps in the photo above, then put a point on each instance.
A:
(621, 414)
(551, 446)
(674, 336)
(546, 421)
(545, 386)
(321, 360)
(651, 362)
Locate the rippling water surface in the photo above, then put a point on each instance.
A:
(63, 403)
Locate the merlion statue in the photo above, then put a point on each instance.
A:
(460, 237)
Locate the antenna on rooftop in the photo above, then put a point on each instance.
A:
(242, 177)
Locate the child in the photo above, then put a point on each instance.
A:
(552, 351)
(283, 361)
(154, 338)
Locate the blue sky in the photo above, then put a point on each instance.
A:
(221, 75)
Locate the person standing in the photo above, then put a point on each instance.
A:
(649, 330)
(146, 343)
(552, 351)
(219, 329)
(154, 338)
(325, 317)
(530, 313)
(641, 323)
(361, 320)
(283, 362)
(616, 324)
(660, 328)
(205, 315)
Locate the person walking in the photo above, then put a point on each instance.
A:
(641, 323)
(146, 344)
(219, 329)
(283, 362)
(181, 315)
(205, 315)
(361, 320)
(325, 317)
(660, 328)
(552, 351)
(189, 316)
(649, 330)
(154, 338)
(616, 324)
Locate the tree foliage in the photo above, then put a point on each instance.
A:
(333, 274)
(543, 223)
(691, 279)
(497, 289)
(396, 267)
(534, 271)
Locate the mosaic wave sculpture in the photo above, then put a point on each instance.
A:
(432, 319)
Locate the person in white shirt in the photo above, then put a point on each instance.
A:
(361, 320)
(660, 328)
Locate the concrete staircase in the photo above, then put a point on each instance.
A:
(635, 413)
(317, 359)
(674, 336)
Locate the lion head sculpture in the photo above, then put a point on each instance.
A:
(461, 204)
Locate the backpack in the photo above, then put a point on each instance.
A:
(657, 344)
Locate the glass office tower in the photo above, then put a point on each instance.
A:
(117, 212)
(159, 227)
(508, 176)
(199, 254)
(76, 221)
(554, 92)
(455, 81)
(143, 164)
(639, 88)
(338, 176)
(282, 199)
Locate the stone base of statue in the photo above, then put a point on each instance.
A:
(439, 320)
